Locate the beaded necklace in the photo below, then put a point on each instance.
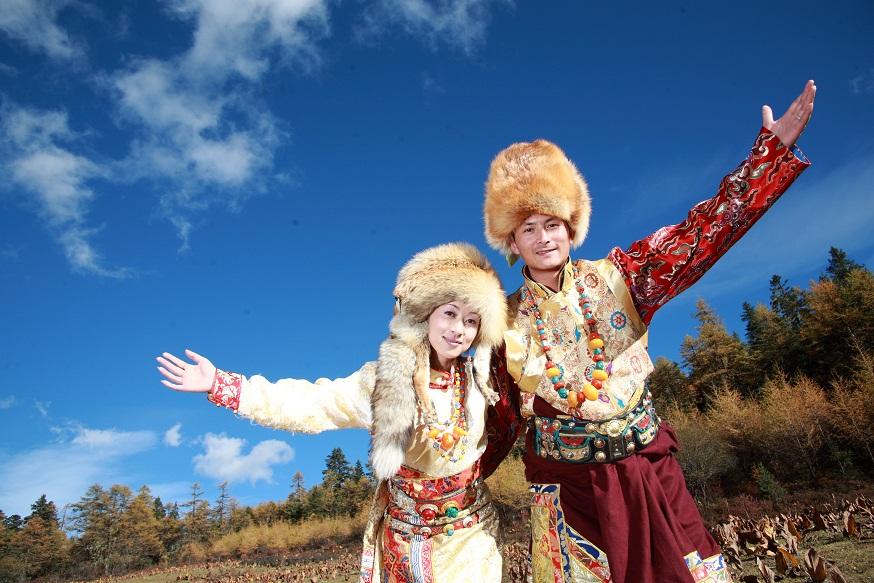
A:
(555, 371)
(450, 438)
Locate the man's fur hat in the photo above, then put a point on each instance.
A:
(433, 277)
(534, 178)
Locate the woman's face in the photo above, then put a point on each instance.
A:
(452, 329)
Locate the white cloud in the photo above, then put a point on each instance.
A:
(224, 459)
(458, 23)
(7, 402)
(38, 159)
(202, 136)
(154, 93)
(34, 23)
(173, 436)
(64, 471)
(58, 178)
(237, 37)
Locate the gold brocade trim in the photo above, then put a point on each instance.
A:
(621, 327)
(710, 570)
(558, 552)
(616, 282)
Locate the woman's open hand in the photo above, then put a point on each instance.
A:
(189, 377)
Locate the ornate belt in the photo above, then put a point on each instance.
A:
(571, 440)
(425, 506)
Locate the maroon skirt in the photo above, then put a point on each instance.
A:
(637, 510)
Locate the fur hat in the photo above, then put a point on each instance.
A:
(534, 178)
(433, 277)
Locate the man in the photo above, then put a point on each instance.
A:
(609, 500)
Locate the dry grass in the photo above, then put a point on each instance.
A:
(282, 537)
(508, 484)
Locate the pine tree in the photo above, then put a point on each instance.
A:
(44, 509)
(158, 507)
(773, 345)
(789, 303)
(839, 265)
(196, 521)
(670, 386)
(171, 529)
(297, 484)
(296, 503)
(98, 518)
(43, 546)
(13, 522)
(716, 360)
(140, 532)
(358, 471)
(222, 512)
(337, 469)
(841, 318)
(355, 492)
(11, 565)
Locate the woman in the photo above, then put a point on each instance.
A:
(424, 401)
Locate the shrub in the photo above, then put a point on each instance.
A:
(704, 455)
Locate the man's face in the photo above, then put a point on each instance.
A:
(543, 241)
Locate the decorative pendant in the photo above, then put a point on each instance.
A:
(555, 371)
(450, 439)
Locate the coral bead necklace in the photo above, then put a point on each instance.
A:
(449, 438)
(555, 371)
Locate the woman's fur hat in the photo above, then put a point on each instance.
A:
(433, 277)
(534, 178)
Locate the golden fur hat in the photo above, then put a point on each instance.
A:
(534, 178)
(433, 277)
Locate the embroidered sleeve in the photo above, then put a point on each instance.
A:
(660, 266)
(307, 407)
(225, 390)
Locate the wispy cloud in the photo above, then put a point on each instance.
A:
(223, 459)
(863, 84)
(7, 402)
(8, 70)
(201, 134)
(34, 24)
(42, 407)
(11, 253)
(238, 37)
(37, 156)
(431, 86)
(173, 436)
(460, 24)
(65, 470)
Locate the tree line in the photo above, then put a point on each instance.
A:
(790, 403)
(113, 531)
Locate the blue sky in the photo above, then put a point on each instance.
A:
(245, 179)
